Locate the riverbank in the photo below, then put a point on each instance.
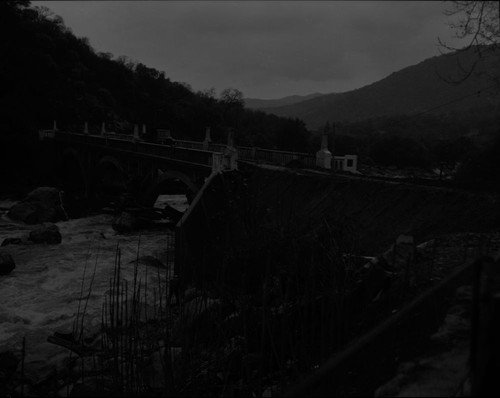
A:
(42, 295)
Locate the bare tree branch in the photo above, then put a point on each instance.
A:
(479, 23)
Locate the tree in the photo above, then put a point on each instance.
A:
(479, 23)
(233, 105)
(232, 96)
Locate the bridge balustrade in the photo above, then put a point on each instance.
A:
(186, 151)
(256, 154)
(276, 157)
(116, 142)
(186, 155)
(190, 144)
(216, 147)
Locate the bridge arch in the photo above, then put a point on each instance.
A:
(72, 173)
(109, 176)
(170, 177)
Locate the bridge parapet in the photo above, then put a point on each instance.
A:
(127, 144)
(202, 152)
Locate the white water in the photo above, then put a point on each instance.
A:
(41, 295)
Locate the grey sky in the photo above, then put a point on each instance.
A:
(266, 49)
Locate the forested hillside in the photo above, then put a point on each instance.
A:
(255, 103)
(47, 73)
(428, 86)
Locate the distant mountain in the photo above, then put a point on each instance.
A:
(254, 103)
(414, 89)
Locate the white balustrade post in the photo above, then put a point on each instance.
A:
(103, 129)
(324, 156)
(86, 128)
(207, 140)
(230, 153)
(136, 132)
(55, 125)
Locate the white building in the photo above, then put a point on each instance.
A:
(346, 163)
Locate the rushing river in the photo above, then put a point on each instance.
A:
(42, 294)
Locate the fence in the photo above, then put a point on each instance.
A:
(373, 358)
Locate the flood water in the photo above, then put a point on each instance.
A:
(42, 294)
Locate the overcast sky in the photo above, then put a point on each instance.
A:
(266, 49)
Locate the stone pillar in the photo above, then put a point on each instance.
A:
(207, 140)
(136, 132)
(86, 128)
(324, 156)
(55, 125)
(143, 129)
(103, 129)
(230, 153)
(230, 138)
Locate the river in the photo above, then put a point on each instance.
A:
(42, 294)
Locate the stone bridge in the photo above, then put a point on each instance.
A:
(110, 163)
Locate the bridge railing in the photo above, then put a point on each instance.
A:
(191, 151)
(189, 144)
(276, 157)
(185, 155)
(200, 145)
(256, 154)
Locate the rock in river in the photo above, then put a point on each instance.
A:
(41, 205)
(125, 223)
(6, 263)
(48, 233)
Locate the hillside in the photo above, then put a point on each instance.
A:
(255, 103)
(47, 73)
(409, 91)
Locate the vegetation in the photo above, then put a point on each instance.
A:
(424, 87)
(479, 24)
(47, 73)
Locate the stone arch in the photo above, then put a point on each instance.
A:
(109, 176)
(170, 175)
(110, 160)
(73, 174)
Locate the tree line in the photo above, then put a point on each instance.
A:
(47, 73)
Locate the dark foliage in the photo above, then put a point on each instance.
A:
(482, 168)
(47, 73)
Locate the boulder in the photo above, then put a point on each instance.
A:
(125, 222)
(12, 241)
(41, 205)
(48, 233)
(7, 264)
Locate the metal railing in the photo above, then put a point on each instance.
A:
(374, 357)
